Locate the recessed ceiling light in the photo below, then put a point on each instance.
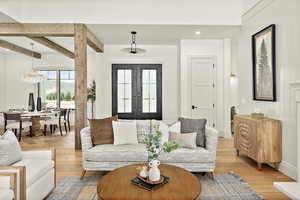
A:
(197, 32)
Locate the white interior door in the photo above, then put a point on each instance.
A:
(203, 87)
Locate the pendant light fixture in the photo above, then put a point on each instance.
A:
(133, 49)
(33, 76)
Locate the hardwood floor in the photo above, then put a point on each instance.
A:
(69, 163)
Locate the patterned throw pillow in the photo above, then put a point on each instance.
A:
(143, 128)
(10, 150)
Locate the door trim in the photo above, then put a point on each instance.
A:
(137, 90)
(189, 84)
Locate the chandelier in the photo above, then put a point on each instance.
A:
(33, 76)
(133, 49)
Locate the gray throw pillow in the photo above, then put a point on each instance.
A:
(194, 125)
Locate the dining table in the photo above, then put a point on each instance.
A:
(36, 117)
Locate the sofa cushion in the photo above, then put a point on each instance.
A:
(194, 125)
(10, 150)
(117, 153)
(187, 140)
(35, 169)
(184, 155)
(102, 131)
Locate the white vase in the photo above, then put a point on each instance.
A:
(154, 172)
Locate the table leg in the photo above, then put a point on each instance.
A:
(36, 126)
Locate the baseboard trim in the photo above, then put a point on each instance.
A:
(288, 169)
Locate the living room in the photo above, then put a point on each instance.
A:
(167, 74)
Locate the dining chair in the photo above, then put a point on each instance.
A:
(15, 122)
(68, 118)
(57, 119)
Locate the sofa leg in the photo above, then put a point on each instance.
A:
(212, 174)
(82, 174)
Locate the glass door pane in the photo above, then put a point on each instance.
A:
(149, 91)
(124, 91)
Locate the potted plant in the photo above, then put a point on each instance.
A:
(91, 95)
(154, 148)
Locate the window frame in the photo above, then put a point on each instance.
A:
(58, 84)
(137, 87)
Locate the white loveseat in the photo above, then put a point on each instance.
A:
(108, 157)
(32, 178)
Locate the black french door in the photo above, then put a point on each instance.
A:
(137, 91)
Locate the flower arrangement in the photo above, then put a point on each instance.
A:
(154, 145)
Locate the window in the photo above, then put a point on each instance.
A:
(58, 89)
(67, 89)
(137, 91)
(48, 89)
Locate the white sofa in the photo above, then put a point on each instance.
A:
(35, 176)
(108, 157)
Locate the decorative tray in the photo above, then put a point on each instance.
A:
(146, 180)
(149, 185)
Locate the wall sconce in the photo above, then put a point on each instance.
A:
(232, 75)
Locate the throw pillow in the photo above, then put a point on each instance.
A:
(194, 125)
(165, 129)
(102, 131)
(187, 140)
(10, 150)
(125, 132)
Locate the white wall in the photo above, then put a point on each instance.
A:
(212, 12)
(248, 4)
(2, 82)
(166, 55)
(16, 90)
(286, 16)
(221, 50)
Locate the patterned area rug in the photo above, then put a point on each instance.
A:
(224, 187)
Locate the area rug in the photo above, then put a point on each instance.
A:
(224, 187)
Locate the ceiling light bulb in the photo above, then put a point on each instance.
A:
(197, 32)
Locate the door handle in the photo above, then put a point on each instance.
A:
(194, 107)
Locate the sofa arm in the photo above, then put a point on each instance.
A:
(16, 180)
(211, 139)
(47, 154)
(86, 139)
(8, 181)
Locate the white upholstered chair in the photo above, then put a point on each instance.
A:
(7, 192)
(35, 176)
(14, 121)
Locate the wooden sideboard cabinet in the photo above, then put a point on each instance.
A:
(259, 139)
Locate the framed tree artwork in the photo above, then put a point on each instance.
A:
(264, 64)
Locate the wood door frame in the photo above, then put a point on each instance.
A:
(189, 84)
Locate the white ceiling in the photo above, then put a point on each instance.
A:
(148, 34)
(187, 12)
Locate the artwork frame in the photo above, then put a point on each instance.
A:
(264, 64)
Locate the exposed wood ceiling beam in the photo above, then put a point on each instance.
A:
(54, 46)
(43, 30)
(30, 29)
(16, 48)
(94, 42)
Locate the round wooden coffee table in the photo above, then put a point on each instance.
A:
(116, 185)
